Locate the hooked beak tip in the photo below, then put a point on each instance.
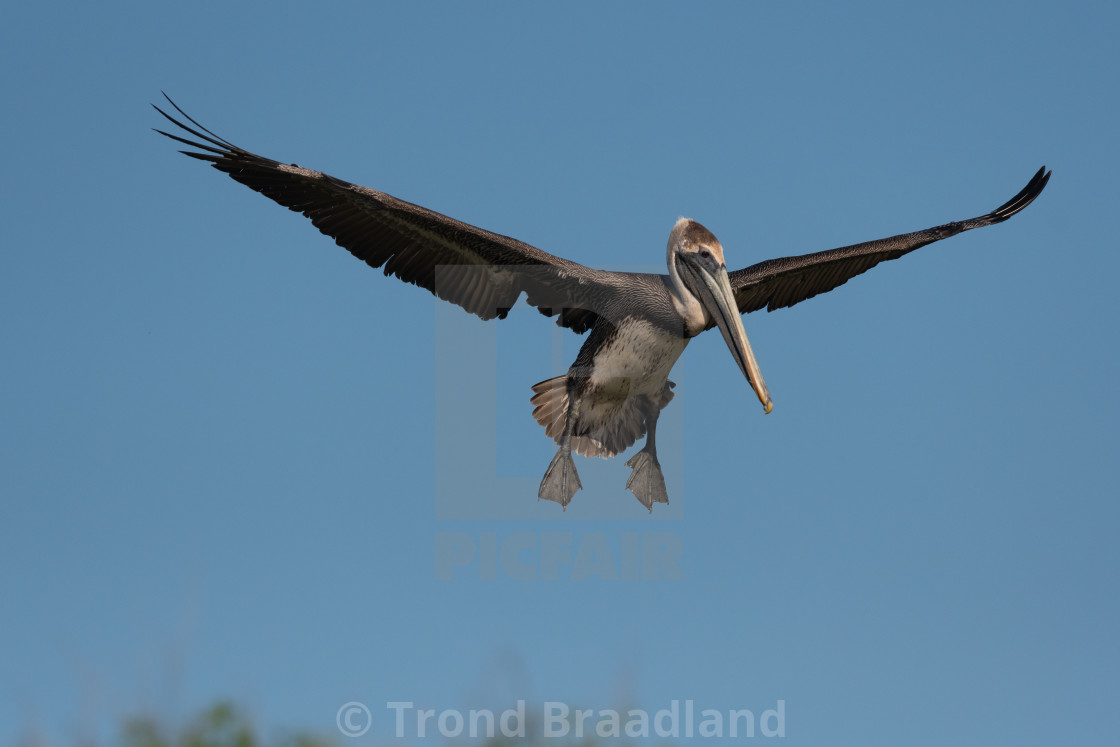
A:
(717, 296)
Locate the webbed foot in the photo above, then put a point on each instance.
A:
(646, 481)
(561, 481)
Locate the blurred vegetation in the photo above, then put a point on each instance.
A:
(222, 725)
(226, 725)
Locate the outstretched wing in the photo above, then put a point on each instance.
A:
(777, 283)
(480, 271)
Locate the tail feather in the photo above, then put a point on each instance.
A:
(550, 405)
(550, 409)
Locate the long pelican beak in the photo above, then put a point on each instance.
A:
(715, 293)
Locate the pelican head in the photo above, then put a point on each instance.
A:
(702, 293)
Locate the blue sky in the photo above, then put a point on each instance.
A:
(224, 474)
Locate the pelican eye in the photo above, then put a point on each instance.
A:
(705, 254)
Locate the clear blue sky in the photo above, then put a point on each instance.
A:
(220, 455)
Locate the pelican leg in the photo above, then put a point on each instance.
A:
(646, 481)
(561, 481)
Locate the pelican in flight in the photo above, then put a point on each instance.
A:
(639, 324)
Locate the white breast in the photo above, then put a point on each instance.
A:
(641, 354)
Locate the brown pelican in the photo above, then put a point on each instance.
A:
(639, 323)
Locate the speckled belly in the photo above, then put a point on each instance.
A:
(639, 354)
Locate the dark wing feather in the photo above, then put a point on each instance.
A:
(777, 283)
(480, 271)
